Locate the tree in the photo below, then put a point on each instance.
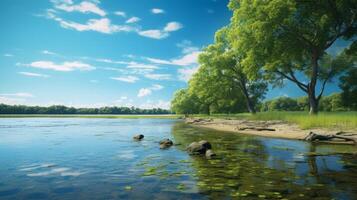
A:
(220, 67)
(289, 38)
(348, 84)
(184, 103)
(348, 81)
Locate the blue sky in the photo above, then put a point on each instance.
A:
(95, 53)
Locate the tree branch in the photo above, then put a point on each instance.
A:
(324, 83)
(293, 79)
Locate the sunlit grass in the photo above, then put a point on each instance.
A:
(338, 120)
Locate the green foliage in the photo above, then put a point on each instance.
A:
(333, 102)
(59, 109)
(184, 103)
(281, 104)
(348, 84)
(284, 37)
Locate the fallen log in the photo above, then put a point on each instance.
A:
(314, 137)
(256, 129)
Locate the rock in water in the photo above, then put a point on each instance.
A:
(205, 144)
(138, 137)
(210, 154)
(166, 143)
(196, 148)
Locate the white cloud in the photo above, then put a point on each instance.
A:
(157, 11)
(11, 101)
(187, 47)
(83, 7)
(158, 76)
(186, 60)
(128, 79)
(157, 87)
(19, 94)
(48, 52)
(132, 20)
(148, 91)
(159, 61)
(123, 99)
(186, 73)
(160, 34)
(144, 92)
(102, 25)
(64, 67)
(8, 55)
(159, 104)
(120, 13)
(34, 74)
(154, 33)
(172, 26)
(141, 66)
(105, 60)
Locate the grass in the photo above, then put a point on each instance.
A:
(338, 120)
(92, 116)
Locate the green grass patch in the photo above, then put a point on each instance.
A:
(338, 120)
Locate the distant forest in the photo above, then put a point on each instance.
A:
(59, 109)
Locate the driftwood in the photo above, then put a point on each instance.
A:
(256, 129)
(314, 137)
(193, 121)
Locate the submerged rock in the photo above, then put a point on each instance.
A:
(205, 144)
(199, 147)
(138, 137)
(166, 143)
(210, 154)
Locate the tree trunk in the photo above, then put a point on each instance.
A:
(208, 109)
(314, 104)
(249, 103)
(313, 101)
(250, 106)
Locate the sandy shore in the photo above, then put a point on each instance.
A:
(274, 128)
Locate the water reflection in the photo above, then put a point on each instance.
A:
(255, 167)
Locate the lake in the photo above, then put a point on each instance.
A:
(79, 158)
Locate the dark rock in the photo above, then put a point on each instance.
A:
(205, 144)
(166, 143)
(196, 148)
(210, 154)
(138, 137)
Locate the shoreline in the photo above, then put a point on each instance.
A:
(270, 128)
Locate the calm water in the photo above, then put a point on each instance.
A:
(97, 159)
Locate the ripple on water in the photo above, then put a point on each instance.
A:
(63, 190)
(9, 192)
(37, 195)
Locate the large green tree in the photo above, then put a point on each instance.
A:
(288, 39)
(221, 69)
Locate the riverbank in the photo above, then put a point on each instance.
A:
(271, 128)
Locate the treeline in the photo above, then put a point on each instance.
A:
(333, 102)
(271, 43)
(59, 109)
